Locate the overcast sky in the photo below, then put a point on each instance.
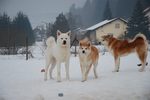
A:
(38, 11)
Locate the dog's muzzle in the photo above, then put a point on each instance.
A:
(64, 42)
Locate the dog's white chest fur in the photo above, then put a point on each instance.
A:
(63, 54)
(84, 60)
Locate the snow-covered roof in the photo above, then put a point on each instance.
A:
(147, 10)
(103, 23)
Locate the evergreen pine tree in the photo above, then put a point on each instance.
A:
(61, 24)
(98, 7)
(138, 23)
(23, 30)
(124, 8)
(71, 21)
(87, 14)
(5, 23)
(146, 3)
(107, 15)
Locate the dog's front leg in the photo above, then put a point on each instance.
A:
(58, 72)
(87, 71)
(83, 72)
(117, 64)
(67, 70)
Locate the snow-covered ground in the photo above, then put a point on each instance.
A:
(22, 80)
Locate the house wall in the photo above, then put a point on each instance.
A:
(111, 29)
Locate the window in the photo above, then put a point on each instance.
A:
(117, 25)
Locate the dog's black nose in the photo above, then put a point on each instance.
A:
(83, 51)
(64, 42)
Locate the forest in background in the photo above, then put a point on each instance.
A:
(93, 10)
(18, 31)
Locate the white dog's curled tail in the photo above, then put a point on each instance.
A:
(50, 41)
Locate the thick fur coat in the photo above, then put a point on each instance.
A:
(88, 56)
(57, 53)
(120, 48)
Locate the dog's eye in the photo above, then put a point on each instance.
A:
(61, 38)
(85, 48)
(66, 38)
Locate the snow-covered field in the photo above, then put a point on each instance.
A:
(22, 80)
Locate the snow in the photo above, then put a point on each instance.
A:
(97, 25)
(22, 80)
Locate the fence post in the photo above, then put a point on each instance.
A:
(26, 48)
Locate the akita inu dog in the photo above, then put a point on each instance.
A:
(120, 48)
(88, 56)
(57, 53)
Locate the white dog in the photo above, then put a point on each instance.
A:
(56, 53)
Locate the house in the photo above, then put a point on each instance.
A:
(116, 27)
(76, 36)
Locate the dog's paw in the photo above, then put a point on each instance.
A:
(68, 78)
(51, 78)
(96, 77)
(115, 71)
(45, 79)
(42, 70)
(141, 64)
(58, 81)
(141, 70)
(83, 80)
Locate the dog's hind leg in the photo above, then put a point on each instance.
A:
(46, 69)
(58, 72)
(67, 70)
(117, 64)
(52, 67)
(94, 69)
(142, 56)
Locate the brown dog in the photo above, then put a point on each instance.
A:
(121, 48)
(88, 55)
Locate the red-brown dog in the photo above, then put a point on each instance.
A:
(121, 48)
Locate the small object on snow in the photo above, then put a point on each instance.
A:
(60, 94)
(141, 64)
(39, 97)
(42, 70)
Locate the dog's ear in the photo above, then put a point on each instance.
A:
(89, 44)
(58, 32)
(80, 44)
(69, 33)
(109, 35)
(104, 37)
